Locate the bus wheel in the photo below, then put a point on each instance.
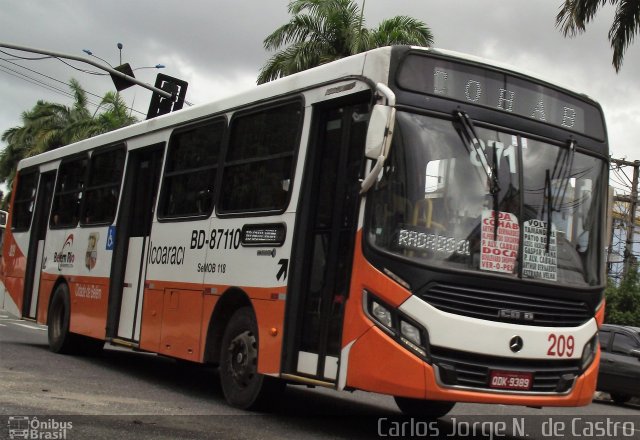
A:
(431, 409)
(60, 340)
(242, 385)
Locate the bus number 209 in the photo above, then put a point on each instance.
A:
(217, 239)
(560, 345)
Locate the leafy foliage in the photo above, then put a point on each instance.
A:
(623, 301)
(322, 31)
(48, 126)
(575, 14)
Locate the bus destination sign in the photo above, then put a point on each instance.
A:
(499, 90)
(272, 234)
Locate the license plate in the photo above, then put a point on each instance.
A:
(511, 380)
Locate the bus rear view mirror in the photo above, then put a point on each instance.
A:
(378, 141)
(378, 129)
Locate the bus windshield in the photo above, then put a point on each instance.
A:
(513, 206)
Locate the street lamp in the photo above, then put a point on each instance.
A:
(157, 66)
(119, 82)
(120, 46)
(88, 52)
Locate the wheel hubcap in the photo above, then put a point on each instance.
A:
(243, 358)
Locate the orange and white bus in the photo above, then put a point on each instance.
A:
(406, 221)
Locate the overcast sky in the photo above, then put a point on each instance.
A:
(216, 46)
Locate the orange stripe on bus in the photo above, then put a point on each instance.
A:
(367, 277)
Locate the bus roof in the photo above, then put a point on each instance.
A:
(330, 72)
(373, 64)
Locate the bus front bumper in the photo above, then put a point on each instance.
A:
(378, 363)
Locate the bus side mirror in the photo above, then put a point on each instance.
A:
(377, 131)
(378, 141)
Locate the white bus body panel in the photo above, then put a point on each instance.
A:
(73, 244)
(171, 257)
(132, 289)
(36, 280)
(488, 337)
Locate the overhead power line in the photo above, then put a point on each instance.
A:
(35, 81)
(90, 72)
(111, 71)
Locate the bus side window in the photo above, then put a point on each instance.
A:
(259, 166)
(69, 191)
(103, 189)
(190, 170)
(24, 200)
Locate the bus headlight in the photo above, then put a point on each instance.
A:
(381, 314)
(589, 352)
(400, 327)
(410, 332)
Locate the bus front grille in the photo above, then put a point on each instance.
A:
(507, 307)
(470, 370)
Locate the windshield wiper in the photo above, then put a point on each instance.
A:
(549, 195)
(562, 172)
(467, 133)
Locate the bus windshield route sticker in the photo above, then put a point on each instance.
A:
(499, 255)
(539, 261)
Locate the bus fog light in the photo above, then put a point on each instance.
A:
(381, 314)
(410, 332)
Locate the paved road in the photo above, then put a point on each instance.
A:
(127, 395)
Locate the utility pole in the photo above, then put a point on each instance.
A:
(632, 200)
(628, 249)
(113, 72)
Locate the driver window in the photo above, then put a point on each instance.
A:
(435, 177)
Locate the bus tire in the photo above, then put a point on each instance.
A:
(431, 409)
(242, 385)
(60, 339)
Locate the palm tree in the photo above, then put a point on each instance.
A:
(48, 126)
(115, 115)
(11, 155)
(575, 14)
(322, 31)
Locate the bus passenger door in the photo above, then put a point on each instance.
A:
(36, 244)
(131, 242)
(325, 233)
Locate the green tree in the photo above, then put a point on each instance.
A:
(48, 126)
(623, 301)
(575, 14)
(322, 31)
(115, 115)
